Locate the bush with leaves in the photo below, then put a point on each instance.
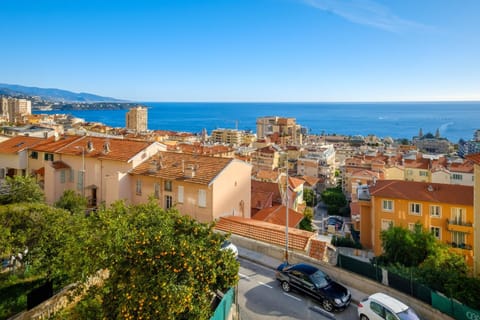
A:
(21, 189)
(72, 201)
(161, 264)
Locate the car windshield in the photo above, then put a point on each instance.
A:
(320, 279)
(225, 244)
(408, 314)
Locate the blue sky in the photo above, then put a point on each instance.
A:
(245, 50)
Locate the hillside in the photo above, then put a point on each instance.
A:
(54, 95)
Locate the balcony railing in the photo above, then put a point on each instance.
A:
(459, 226)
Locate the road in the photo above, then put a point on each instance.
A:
(261, 297)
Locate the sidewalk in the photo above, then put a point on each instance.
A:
(273, 263)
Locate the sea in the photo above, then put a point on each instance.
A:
(453, 120)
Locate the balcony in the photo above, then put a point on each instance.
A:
(462, 248)
(459, 226)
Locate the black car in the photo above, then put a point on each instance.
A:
(312, 281)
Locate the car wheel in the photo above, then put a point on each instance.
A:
(363, 317)
(286, 286)
(327, 305)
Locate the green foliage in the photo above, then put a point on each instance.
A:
(334, 197)
(306, 223)
(72, 201)
(419, 256)
(409, 248)
(345, 242)
(161, 264)
(309, 197)
(13, 288)
(21, 189)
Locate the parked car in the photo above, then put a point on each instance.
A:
(228, 245)
(336, 221)
(382, 306)
(315, 283)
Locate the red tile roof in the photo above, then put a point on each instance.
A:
(264, 231)
(423, 191)
(19, 143)
(474, 157)
(172, 166)
(60, 165)
(310, 181)
(277, 215)
(118, 149)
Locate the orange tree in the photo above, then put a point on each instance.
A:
(162, 265)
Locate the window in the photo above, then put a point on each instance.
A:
(415, 208)
(34, 155)
(387, 205)
(168, 185)
(138, 188)
(386, 224)
(72, 175)
(377, 308)
(457, 176)
(48, 156)
(180, 194)
(436, 232)
(458, 238)
(80, 181)
(423, 173)
(168, 202)
(156, 190)
(435, 211)
(458, 216)
(62, 176)
(411, 227)
(202, 198)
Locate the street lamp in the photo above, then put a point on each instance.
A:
(83, 169)
(286, 215)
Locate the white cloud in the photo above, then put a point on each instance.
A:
(366, 12)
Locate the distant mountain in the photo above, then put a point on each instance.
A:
(55, 95)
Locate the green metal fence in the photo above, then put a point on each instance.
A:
(410, 287)
(224, 307)
(360, 267)
(453, 308)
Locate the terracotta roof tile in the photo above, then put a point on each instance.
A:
(474, 157)
(310, 181)
(60, 165)
(172, 166)
(277, 215)
(423, 191)
(269, 175)
(118, 149)
(19, 143)
(264, 231)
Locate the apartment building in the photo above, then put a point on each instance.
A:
(202, 187)
(475, 158)
(285, 130)
(318, 162)
(14, 109)
(95, 167)
(267, 158)
(137, 119)
(444, 209)
(231, 137)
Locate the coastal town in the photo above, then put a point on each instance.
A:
(254, 185)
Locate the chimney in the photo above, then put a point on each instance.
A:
(153, 166)
(190, 171)
(89, 146)
(106, 147)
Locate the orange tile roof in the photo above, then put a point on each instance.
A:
(60, 165)
(19, 143)
(171, 166)
(423, 191)
(277, 215)
(474, 157)
(310, 181)
(269, 175)
(261, 200)
(52, 146)
(264, 231)
(120, 149)
(417, 164)
(465, 167)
